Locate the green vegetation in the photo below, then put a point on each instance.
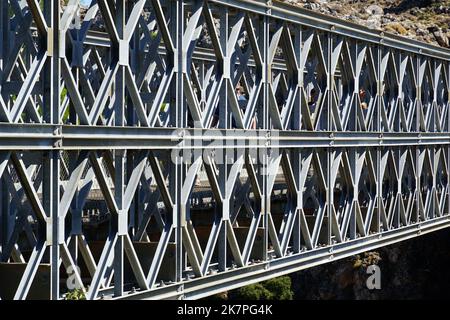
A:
(154, 34)
(163, 107)
(273, 289)
(76, 294)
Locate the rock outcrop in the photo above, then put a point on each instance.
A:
(413, 269)
(424, 20)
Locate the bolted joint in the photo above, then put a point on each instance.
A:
(183, 62)
(226, 209)
(50, 35)
(49, 231)
(181, 220)
(122, 223)
(356, 84)
(61, 236)
(300, 76)
(124, 52)
(62, 44)
(226, 67)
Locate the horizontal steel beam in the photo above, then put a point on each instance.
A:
(228, 280)
(66, 137)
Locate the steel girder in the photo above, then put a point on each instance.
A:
(115, 112)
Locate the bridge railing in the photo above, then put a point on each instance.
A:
(176, 149)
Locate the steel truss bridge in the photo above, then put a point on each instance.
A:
(112, 120)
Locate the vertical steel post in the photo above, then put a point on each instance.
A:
(225, 122)
(178, 119)
(119, 155)
(4, 194)
(263, 156)
(379, 105)
(51, 159)
(447, 129)
(329, 127)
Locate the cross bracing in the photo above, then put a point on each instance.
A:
(176, 149)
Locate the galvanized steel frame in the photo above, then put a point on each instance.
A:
(391, 160)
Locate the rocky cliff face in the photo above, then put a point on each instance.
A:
(425, 20)
(413, 269)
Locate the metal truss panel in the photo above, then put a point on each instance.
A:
(156, 149)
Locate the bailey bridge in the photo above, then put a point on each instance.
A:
(174, 149)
